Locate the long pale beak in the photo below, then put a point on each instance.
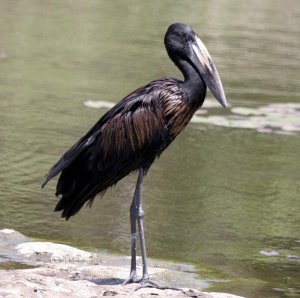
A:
(208, 71)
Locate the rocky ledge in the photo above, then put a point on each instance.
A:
(45, 269)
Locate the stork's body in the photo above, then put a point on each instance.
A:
(135, 131)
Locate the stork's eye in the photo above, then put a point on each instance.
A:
(188, 37)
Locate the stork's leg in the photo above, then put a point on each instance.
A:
(137, 215)
(145, 281)
(134, 209)
(140, 220)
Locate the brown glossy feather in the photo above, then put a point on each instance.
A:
(129, 136)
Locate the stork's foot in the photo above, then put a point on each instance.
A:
(147, 283)
(132, 279)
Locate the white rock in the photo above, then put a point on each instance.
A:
(57, 252)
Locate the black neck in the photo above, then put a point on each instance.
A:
(193, 85)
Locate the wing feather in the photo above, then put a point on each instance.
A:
(128, 136)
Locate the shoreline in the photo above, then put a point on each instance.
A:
(45, 269)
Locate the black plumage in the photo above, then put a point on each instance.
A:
(137, 129)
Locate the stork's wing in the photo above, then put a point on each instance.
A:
(130, 125)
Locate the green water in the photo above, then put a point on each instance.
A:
(219, 195)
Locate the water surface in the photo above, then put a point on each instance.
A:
(223, 197)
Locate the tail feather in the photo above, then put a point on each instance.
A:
(85, 173)
(76, 185)
(68, 158)
(82, 180)
(70, 206)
